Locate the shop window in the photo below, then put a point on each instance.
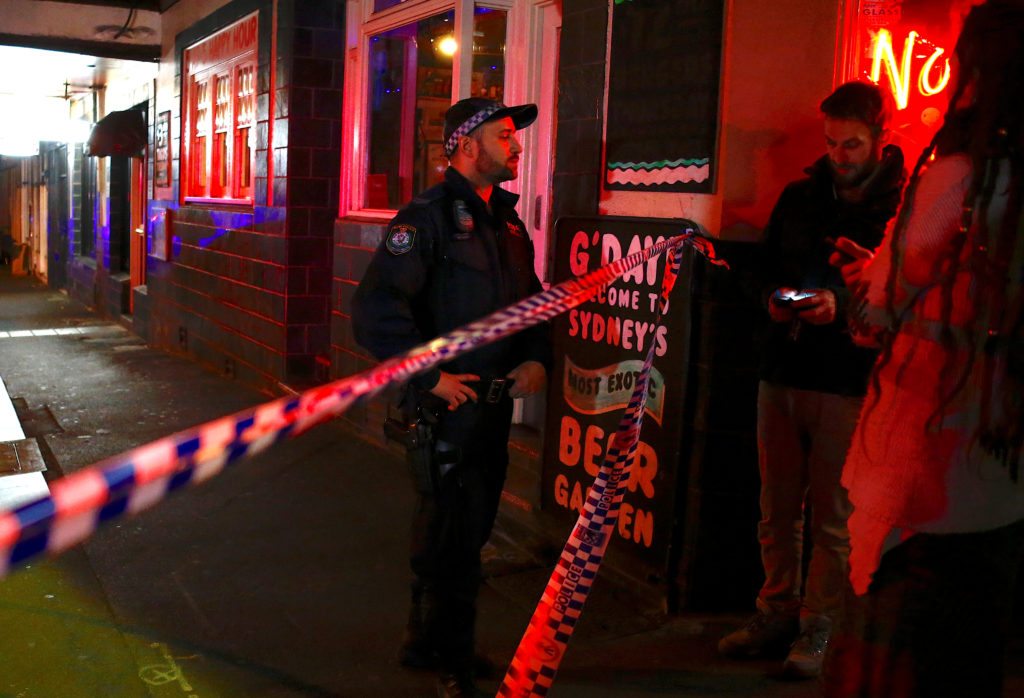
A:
(905, 46)
(220, 94)
(411, 68)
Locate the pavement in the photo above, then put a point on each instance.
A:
(284, 576)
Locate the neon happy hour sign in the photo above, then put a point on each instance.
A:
(901, 73)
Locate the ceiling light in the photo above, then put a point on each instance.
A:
(448, 46)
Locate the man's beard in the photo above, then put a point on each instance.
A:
(493, 170)
(852, 177)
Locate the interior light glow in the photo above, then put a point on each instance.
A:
(448, 46)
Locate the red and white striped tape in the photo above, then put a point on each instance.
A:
(138, 479)
(540, 652)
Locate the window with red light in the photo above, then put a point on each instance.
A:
(905, 46)
(405, 59)
(220, 99)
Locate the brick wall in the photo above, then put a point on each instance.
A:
(354, 245)
(581, 61)
(307, 162)
(247, 289)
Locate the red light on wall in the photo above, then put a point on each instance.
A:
(900, 74)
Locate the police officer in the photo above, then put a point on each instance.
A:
(456, 253)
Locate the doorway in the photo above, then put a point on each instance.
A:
(137, 225)
(543, 19)
(128, 199)
(59, 208)
(39, 218)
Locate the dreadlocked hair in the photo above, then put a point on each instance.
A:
(989, 132)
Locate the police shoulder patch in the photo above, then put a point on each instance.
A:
(400, 238)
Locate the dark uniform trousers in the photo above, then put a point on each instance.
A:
(450, 529)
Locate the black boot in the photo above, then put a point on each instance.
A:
(417, 651)
(457, 684)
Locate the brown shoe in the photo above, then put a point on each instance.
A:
(764, 634)
(808, 652)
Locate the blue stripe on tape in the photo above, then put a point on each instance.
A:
(181, 478)
(35, 519)
(29, 546)
(285, 431)
(244, 424)
(35, 514)
(236, 450)
(120, 482)
(188, 447)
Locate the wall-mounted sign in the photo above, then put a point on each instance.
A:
(241, 37)
(663, 83)
(162, 150)
(904, 46)
(919, 56)
(160, 231)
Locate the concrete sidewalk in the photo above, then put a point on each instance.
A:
(284, 576)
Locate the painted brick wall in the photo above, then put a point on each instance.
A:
(307, 162)
(247, 289)
(582, 61)
(354, 245)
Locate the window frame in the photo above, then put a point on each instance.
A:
(362, 23)
(219, 168)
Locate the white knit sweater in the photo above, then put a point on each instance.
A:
(903, 474)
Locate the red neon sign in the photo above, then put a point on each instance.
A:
(900, 74)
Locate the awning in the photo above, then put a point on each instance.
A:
(119, 133)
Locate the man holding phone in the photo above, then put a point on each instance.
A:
(813, 377)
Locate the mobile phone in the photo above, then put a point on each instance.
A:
(786, 297)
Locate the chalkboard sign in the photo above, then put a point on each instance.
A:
(663, 88)
(599, 348)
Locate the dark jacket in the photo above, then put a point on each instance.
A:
(462, 263)
(795, 254)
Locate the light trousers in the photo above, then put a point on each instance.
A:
(803, 437)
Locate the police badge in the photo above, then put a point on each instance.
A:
(463, 218)
(400, 238)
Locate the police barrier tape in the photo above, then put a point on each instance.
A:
(138, 479)
(543, 645)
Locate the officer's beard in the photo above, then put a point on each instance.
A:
(494, 171)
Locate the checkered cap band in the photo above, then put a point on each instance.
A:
(468, 125)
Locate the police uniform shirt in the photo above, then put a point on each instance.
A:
(445, 261)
